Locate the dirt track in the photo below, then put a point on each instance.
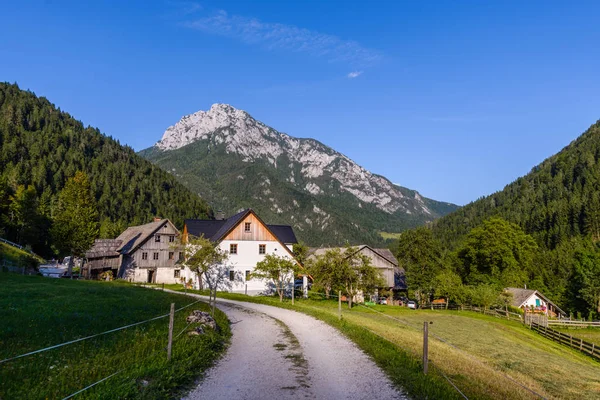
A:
(282, 354)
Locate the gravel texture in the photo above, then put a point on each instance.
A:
(282, 354)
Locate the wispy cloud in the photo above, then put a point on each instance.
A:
(185, 8)
(286, 37)
(354, 74)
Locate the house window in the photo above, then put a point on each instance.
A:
(144, 256)
(262, 248)
(157, 238)
(247, 227)
(171, 238)
(181, 256)
(247, 275)
(176, 273)
(231, 274)
(233, 248)
(171, 255)
(155, 256)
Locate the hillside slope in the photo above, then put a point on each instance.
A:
(235, 161)
(558, 200)
(558, 204)
(42, 146)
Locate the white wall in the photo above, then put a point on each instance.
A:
(162, 275)
(530, 302)
(246, 259)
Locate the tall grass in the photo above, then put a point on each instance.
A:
(39, 312)
(483, 356)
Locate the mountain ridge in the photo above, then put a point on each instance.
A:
(303, 166)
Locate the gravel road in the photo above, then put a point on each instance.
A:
(282, 354)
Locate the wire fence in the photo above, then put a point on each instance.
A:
(154, 352)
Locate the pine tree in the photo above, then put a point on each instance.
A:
(75, 224)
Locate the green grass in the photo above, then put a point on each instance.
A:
(390, 235)
(17, 256)
(591, 335)
(38, 312)
(486, 349)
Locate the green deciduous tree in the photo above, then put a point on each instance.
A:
(485, 295)
(497, 252)
(278, 270)
(209, 262)
(421, 257)
(300, 251)
(449, 285)
(346, 270)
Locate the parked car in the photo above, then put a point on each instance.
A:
(382, 300)
(411, 304)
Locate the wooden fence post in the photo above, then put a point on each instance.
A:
(171, 321)
(425, 347)
(340, 305)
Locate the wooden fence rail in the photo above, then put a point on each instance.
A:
(499, 313)
(574, 323)
(568, 340)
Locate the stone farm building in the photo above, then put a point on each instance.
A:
(247, 239)
(144, 253)
(382, 259)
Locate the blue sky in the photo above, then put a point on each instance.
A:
(452, 98)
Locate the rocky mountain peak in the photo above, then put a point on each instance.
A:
(310, 166)
(201, 124)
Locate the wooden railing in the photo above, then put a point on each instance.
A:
(568, 323)
(568, 340)
(499, 313)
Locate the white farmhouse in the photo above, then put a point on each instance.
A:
(534, 301)
(247, 239)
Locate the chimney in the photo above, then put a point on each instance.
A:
(220, 216)
(156, 219)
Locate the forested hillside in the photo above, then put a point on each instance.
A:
(543, 231)
(41, 147)
(559, 199)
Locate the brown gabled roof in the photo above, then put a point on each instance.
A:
(134, 236)
(104, 248)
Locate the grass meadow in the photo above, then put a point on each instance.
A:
(17, 257)
(38, 312)
(591, 335)
(482, 355)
